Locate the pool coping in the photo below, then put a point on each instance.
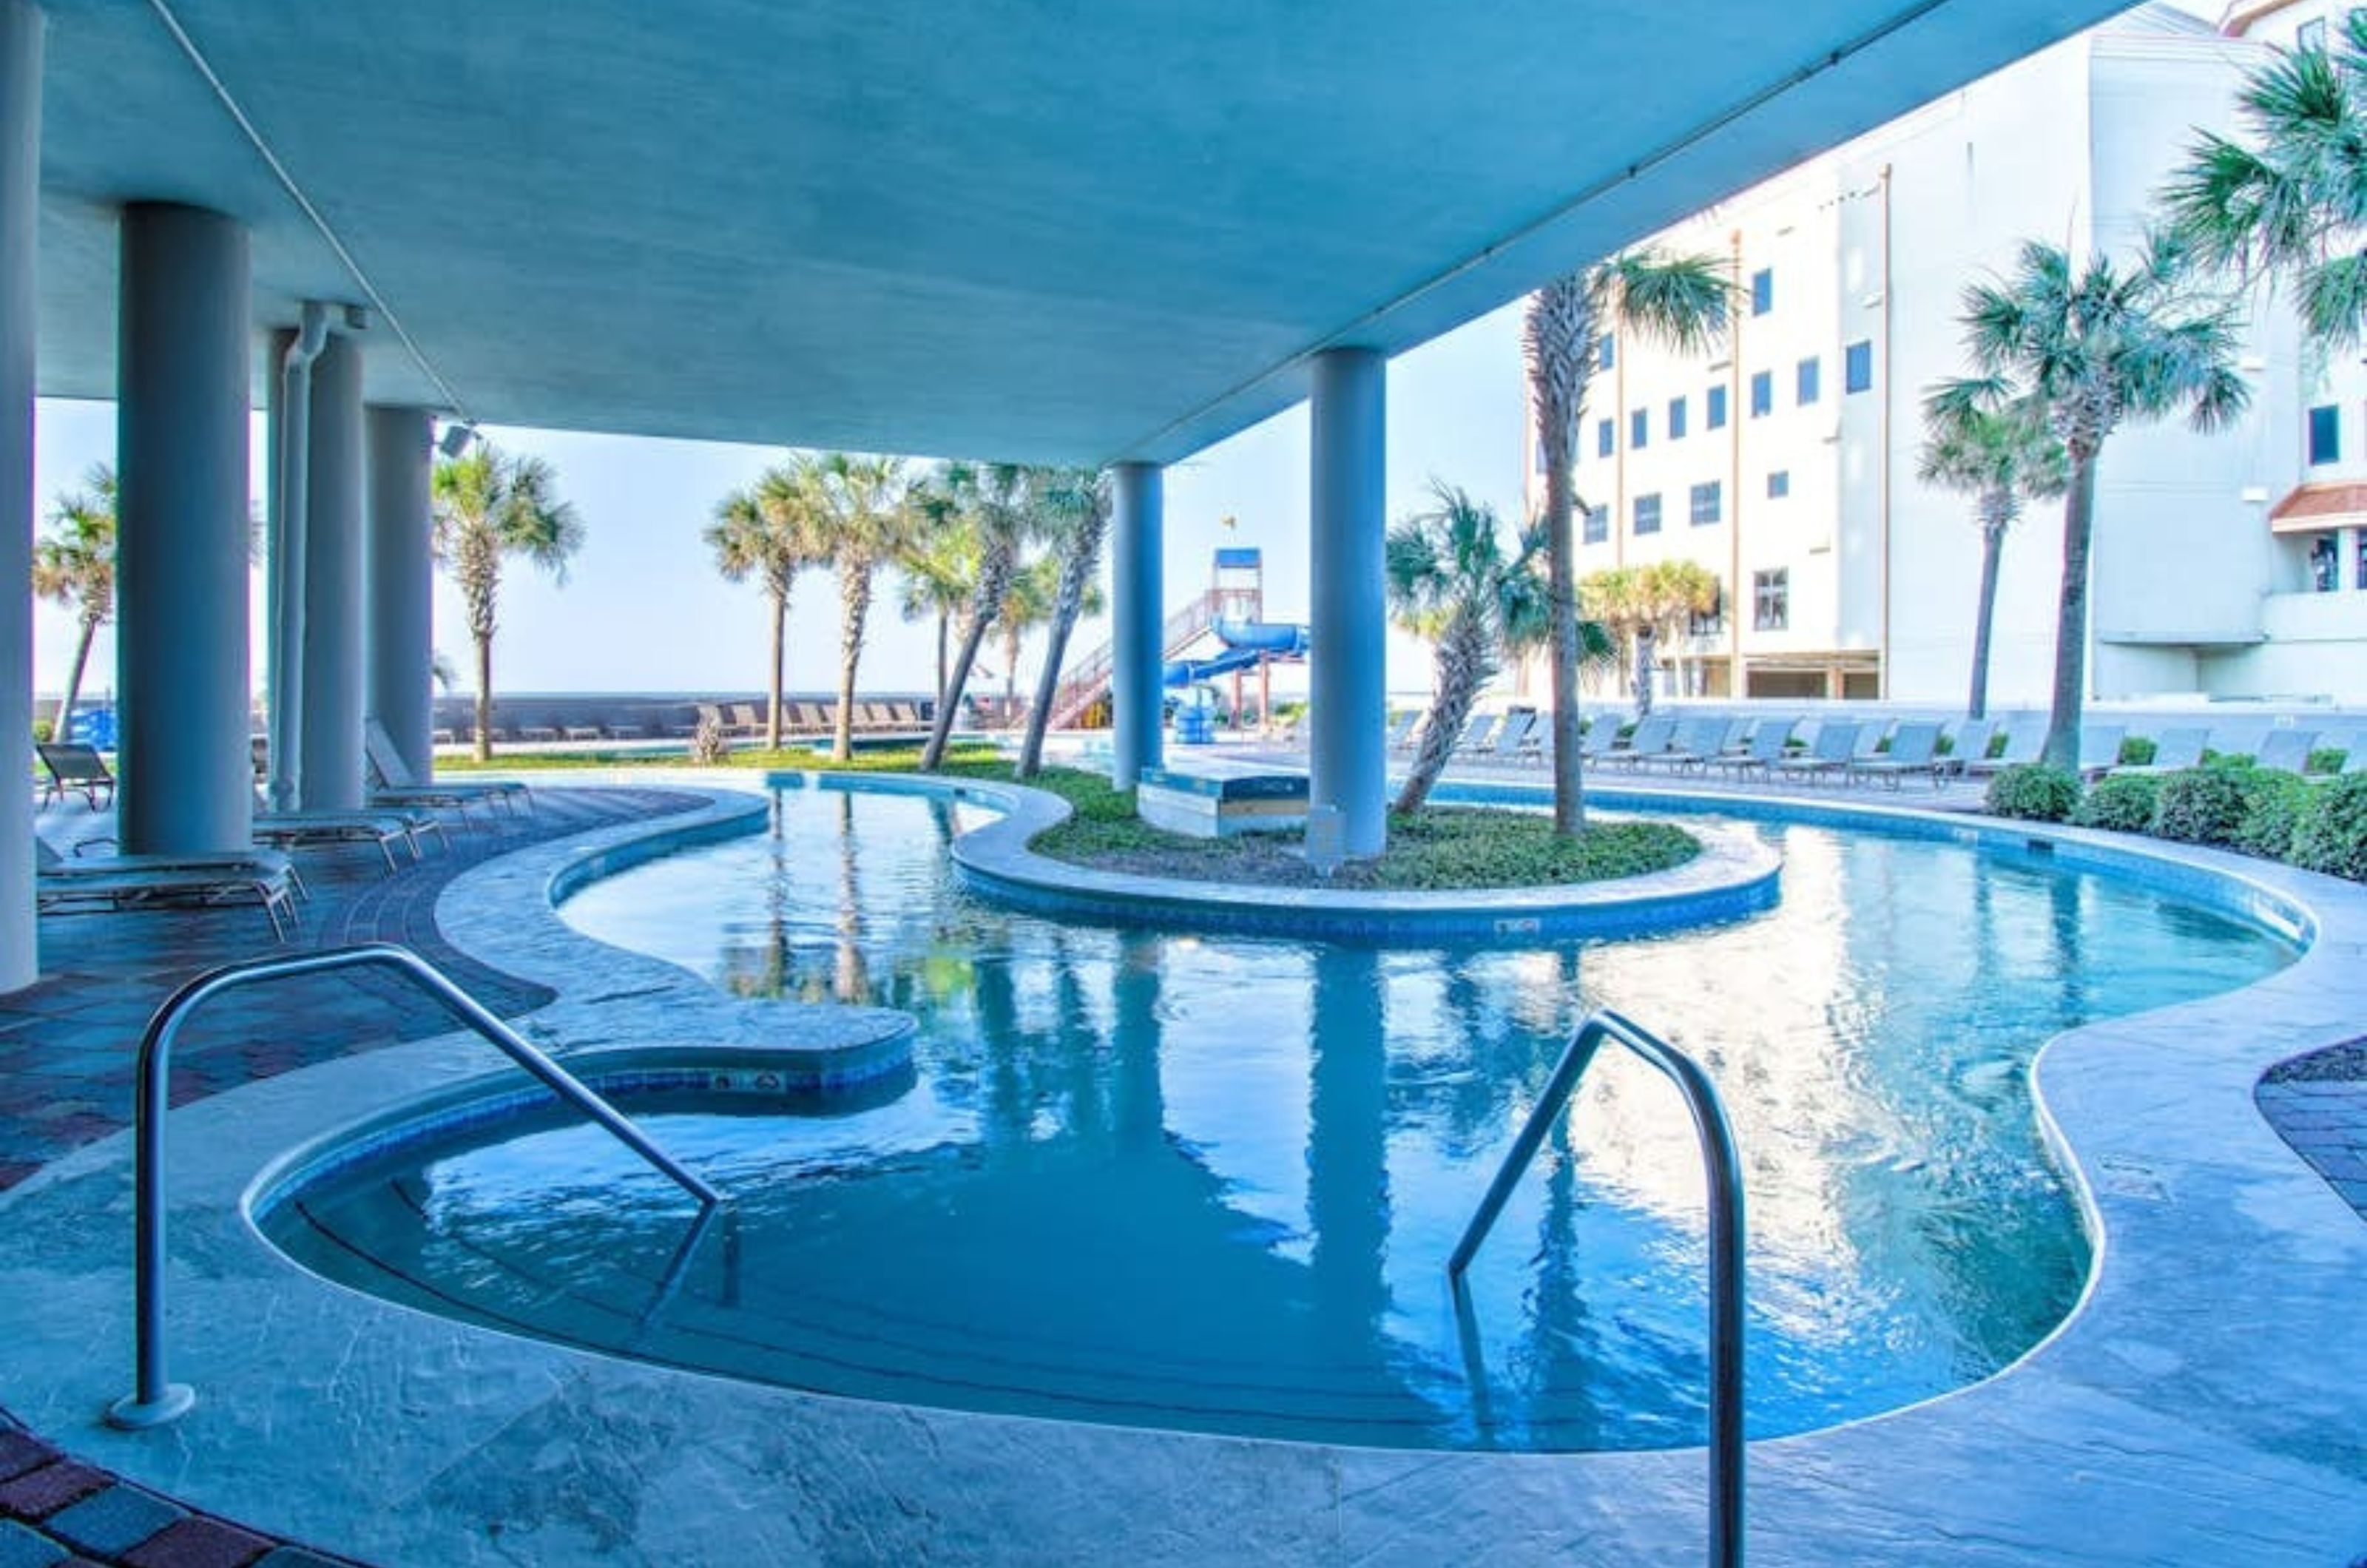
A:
(2203, 1403)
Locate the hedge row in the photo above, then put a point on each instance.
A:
(2227, 804)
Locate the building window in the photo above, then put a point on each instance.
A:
(2311, 34)
(1717, 408)
(1676, 419)
(1604, 440)
(1639, 429)
(1857, 366)
(1810, 379)
(1763, 291)
(1771, 598)
(2326, 433)
(2322, 565)
(1762, 392)
(1712, 621)
(1779, 484)
(1598, 525)
(1709, 503)
(1648, 514)
(2360, 579)
(1606, 352)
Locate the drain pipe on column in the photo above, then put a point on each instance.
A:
(285, 587)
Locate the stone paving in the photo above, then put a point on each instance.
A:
(67, 1045)
(2319, 1104)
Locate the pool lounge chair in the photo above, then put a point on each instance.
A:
(2286, 751)
(1400, 735)
(1969, 738)
(75, 767)
(62, 887)
(391, 784)
(1696, 742)
(1914, 748)
(305, 830)
(1765, 749)
(2100, 749)
(1828, 755)
(1650, 739)
(2023, 742)
(1510, 736)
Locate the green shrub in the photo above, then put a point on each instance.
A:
(2137, 752)
(2124, 804)
(2273, 805)
(44, 731)
(2204, 805)
(2324, 760)
(2034, 793)
(2332, 834)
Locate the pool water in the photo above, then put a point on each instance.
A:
(1194, 1182)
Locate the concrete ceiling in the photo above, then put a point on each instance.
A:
(1036, 229)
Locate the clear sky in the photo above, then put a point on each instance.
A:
(643, 608)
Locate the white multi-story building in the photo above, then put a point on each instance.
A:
(1785, 462)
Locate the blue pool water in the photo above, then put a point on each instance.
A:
(1203, 1183)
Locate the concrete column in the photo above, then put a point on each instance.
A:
(181, 558)
(20, 193)
(399, 585)
(330, 742)
(1347, 667)
(1138, 609)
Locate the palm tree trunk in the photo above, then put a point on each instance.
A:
(59, 730)
(949, 696)
(2071, 626)
(1065, 610)
(484, 698)
(1462, 669)
(854, 608)
(780, 660)
(1569, 783)
(945, 629)
(1984, 617)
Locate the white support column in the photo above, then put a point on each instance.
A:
(1138, 615)
(181, 555)
(330, 743)
(1347, 667)
(20, 195)
(399, 651)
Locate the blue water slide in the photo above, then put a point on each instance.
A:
(1245, 642)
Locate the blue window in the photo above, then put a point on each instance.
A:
(1779, 484)
(1606, 352)
(1639, 430)
(1604, 439)
(2326, 433)
(1762, 392)
(1648, 514)
(1857, 366)
(1709, 504)
(1676, 419)
(1717, 408)
(1763, 291)
(1598, 525)
(1809, 380)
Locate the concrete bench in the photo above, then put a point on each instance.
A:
(1218, 800)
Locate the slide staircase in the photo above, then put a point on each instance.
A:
(1091, 683)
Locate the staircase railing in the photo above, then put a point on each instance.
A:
(1091, 680)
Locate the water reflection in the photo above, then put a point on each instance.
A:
(1256, 1155)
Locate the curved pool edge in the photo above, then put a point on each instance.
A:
(2195, 1407)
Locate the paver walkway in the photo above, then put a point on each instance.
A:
(66, 1050)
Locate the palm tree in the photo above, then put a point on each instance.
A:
(2292, 204)
(1450, 582)
(995, 503)
(1025, 607)
(935, 575)
(1073, 506)
(2095, 345)
(1674, 593)
(73, 565)
(2002, 457)
(770, 531)
(1614, 600)
(490, 504)
(1682, 301)
(865, 526)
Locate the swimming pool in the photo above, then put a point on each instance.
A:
(1209, 1183)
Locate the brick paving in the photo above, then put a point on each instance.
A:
(67, 1045)
(2319, 1104)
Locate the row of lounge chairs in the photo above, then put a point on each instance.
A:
(745, 721)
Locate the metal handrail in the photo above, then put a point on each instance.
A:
(1724, 1171)
(157, 1400)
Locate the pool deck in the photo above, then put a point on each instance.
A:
(2204, 1405)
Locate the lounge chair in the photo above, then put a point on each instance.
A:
(393, 784)
(1650, 739)
(1765, 749)
(1474, 739)
(2100, 749)
(1970, 738)
(301, 830)
(1401, 736)
(1601, 736)
(2286, 751)
(2355, 754)
(2023, 743)
(1914, 748)
(1835, 744)
(1510, 736)
(75, 766)
(2175, 749)
(1696, 742)
(62, 887)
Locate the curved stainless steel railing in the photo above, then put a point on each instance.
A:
(1724, 1171)
(156, 1399)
